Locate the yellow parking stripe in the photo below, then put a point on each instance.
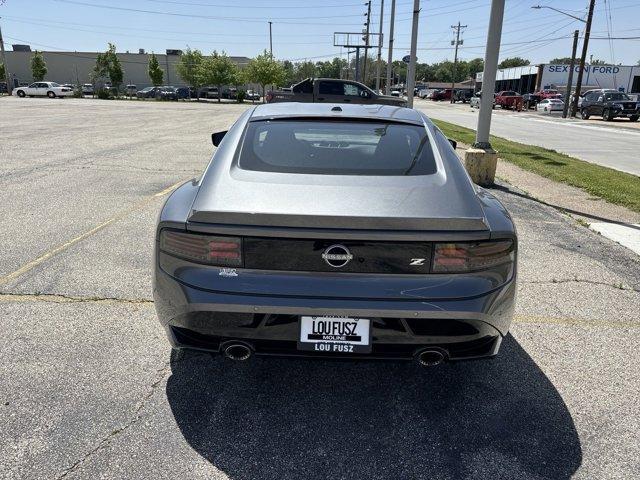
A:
(60, 248)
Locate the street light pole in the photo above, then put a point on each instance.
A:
(583, 58)
(567, 97)
(489, 75)
(270, 41)
(411, 72)
(379, 66)
(390, 53)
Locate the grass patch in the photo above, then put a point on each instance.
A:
(615, 187)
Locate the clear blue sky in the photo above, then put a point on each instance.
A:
(304, 28)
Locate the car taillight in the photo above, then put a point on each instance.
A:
(465, 257)
(209, 249)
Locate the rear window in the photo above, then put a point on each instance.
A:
(336, 148)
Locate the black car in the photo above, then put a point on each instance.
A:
(609, 105)
(167, 93)
(530, 100)
(149, 92)
(462, 95)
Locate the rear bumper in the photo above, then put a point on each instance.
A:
(465, 328)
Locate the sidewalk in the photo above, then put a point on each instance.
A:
(612, 221)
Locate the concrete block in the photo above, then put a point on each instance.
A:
(481, 165)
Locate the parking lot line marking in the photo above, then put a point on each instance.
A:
(60, 248)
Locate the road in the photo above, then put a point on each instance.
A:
(90, 389)
(614, 145)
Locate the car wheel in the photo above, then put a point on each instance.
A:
(606, 115)
(634, 118)
(545, 109)
(584, 114)
(21, 94)
(51, 94)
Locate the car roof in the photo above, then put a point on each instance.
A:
(324, 110)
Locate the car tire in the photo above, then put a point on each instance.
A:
(51, 94)
(21, 94)
(606, 115)
(584, 114)
(634, 118)
(545, 109)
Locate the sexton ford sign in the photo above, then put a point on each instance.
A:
(603, 76)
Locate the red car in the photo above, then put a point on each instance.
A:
(444, 94)
(509, 99)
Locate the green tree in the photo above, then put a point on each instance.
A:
(114, 68)
(156, 74)
(190, 69)
(38, 67)
(513, 62)
(597, 61)
(264, 71)
(561, 61)
(2, 72)
(219, 70)
(475, 66)
(304, 70)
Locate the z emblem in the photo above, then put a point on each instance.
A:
(416, 262)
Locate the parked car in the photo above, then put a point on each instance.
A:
(87, 89)
(548, 93)
(131, 90)
(252, 95)
(509, 99)
(332, 90)
(148, 92)
(183, 93)
(299, 254)
(587, 92)
(550, 105)
(3, 87)
(167, 93)
(209, 92)
(530, 100)
(610, 105)
(443, 94)
(395, 93)
(44, 89)
(463, 95)
(475, 100)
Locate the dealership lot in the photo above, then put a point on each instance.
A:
(89, 387)
(613, 144)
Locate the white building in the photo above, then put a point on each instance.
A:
(534, 77)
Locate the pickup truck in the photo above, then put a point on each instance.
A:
(332, 90)
(509, 99)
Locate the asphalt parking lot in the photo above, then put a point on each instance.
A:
(90, 389)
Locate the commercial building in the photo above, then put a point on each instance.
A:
(531, 78)
(76, 67)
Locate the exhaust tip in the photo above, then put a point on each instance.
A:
(238, 352)
(430, 358)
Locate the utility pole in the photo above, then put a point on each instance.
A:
(380, 37)
(585, 46)
(270, 41)
(567, 96)
(4, 62)
(457, 42)
(481, 160)
(411, 72)
(366, 48)
(390, 54)
(357, 72)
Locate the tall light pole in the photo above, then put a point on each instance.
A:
(270, 41)
(491, 55)
(481, 160)
(379, 66)
(567, 95)
(583, 57)
(366, 48)
(411, 72)
(390, 53)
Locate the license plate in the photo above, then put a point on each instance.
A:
(335, 334)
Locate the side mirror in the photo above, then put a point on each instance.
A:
(217, 137)
(453, 143)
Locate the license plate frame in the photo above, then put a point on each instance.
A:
(318, 334)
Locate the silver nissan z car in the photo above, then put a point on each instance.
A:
(348, 231)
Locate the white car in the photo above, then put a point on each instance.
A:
(44, 89)
(550, 105)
